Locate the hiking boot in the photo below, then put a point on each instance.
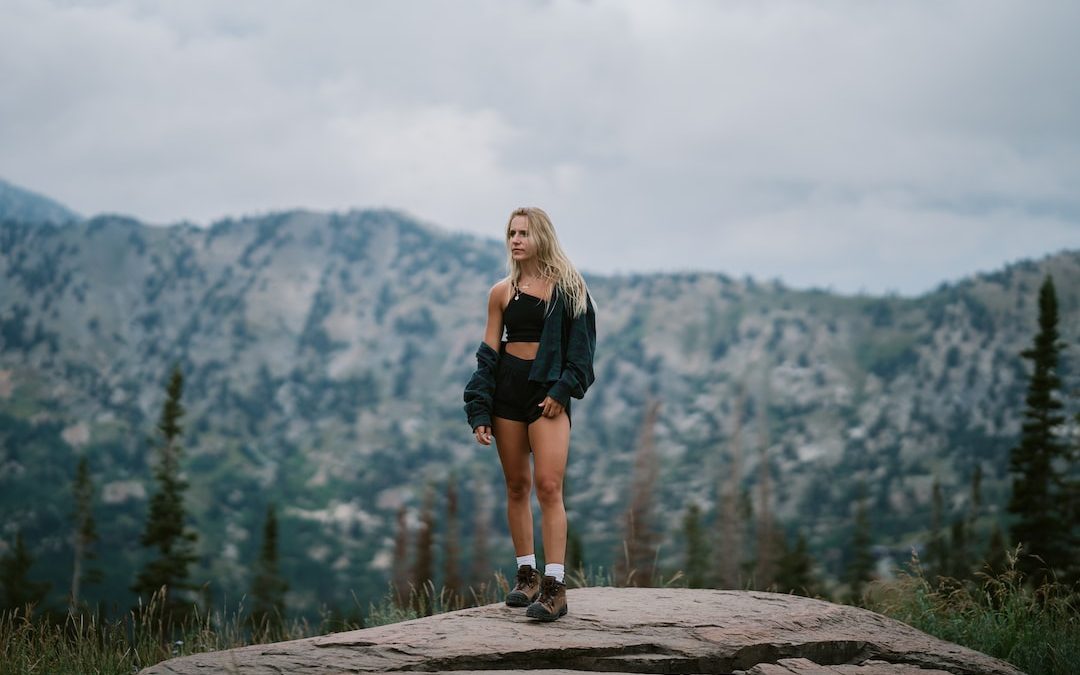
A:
(526, 587)
(552, 601)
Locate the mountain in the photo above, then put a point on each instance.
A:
(325, 356)
(19, 204)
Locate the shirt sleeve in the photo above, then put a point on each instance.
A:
(577, 374)
(481, 387)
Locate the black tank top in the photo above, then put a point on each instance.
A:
(524, 317)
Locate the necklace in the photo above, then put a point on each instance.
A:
(517, 290)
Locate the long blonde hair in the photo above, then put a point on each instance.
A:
(551, 260)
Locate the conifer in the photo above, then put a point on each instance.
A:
(937, 559)
(729, 524)
(794, 569)
(400, 562)
(697, 554)
(1043, 523)
(480, 555)
(19, 592)
(268, 587)
(84, 537)
(636, 565)
(166, 533)
(861, 568)
(423, 569)
(451, 544)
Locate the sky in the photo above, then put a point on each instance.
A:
(879, 147)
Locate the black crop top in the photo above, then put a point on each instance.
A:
(524, 317)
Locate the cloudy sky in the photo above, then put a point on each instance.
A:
(877, 146)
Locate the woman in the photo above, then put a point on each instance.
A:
(521, 390)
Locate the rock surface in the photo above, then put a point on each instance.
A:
(628, 630)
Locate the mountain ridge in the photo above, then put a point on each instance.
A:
(325, 355)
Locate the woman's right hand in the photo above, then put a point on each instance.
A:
(483, 435)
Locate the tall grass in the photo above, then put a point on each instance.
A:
(1035, 629)
(84, 644)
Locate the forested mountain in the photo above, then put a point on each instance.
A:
(324, 357)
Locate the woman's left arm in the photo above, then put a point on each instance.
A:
(577, 374)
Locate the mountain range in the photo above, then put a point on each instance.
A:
(324, 357)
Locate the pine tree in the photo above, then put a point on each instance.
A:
(996, 557)
(84, 537)
(480, 563)
(636, 565)
(765, 560)
(697, 548)
(268, 587)
(19, 592)
(1043, 524)
(400, 574)
(729, 524)
(165, 531)
(936, 553)
(861, 567)
(794, 569)
(452, 545)
(423, 569)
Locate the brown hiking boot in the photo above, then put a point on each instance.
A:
(552, 601)
(526, 587)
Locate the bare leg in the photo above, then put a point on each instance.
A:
(512, 442)
(550, 439)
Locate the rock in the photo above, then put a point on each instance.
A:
(629, 630)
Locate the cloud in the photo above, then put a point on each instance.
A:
(856, 145)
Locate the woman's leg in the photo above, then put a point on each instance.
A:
(512, 442)
(550, 439)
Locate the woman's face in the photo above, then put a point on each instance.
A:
(522, 246)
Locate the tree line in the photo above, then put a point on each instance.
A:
(743, 547)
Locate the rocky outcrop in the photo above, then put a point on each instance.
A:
(627, 630)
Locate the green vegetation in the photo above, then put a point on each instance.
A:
(166, 530)
(1035, 629)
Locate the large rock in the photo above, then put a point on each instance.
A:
(628, 630)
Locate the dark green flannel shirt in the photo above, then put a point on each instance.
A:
(564, 359)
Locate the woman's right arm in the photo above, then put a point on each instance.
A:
(493, 331)
(481, 388)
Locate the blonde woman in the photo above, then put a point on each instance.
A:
(520, 395)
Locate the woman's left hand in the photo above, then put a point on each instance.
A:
(552, 408)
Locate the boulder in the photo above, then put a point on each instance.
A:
(622, 630)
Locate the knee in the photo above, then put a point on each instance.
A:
(548, 490)
(517, 489)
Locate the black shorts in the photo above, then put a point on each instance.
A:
(516, 397)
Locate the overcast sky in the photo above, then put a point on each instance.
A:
(877, 146)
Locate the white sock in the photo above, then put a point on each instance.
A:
(529, 560)
(554, 570)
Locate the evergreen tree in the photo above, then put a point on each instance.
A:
(1042, 524)
(794, 570)
(766, 539)
(861, 568)
(452, 545)
(165, 531)
(996, 557)
(936, 553)
(575, 552)
(400, 574)
(636, 564)
(697, 548)
(959, 563)
(729, 525)
(480, 563)
(423, 569)
(84, 537)
(268, 587)
(19, 591)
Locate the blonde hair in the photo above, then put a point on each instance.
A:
(551, 260)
